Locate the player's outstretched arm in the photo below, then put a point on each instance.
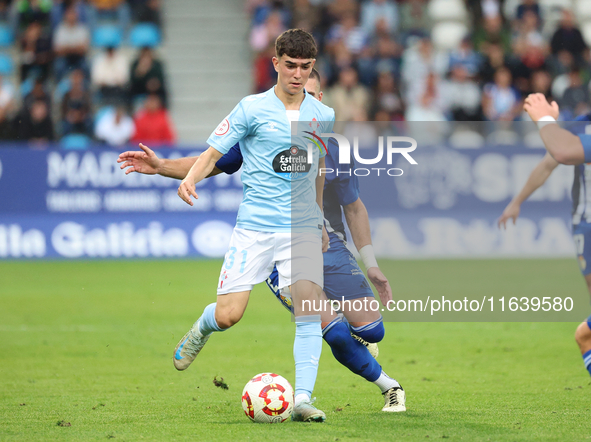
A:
(358, 222)
(564, 147)
(147, 162)
(202, 168)
(536, 179)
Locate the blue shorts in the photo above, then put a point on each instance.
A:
(582, 238)
(343, 278)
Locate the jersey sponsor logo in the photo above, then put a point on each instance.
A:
(223, 128)
(291, 163)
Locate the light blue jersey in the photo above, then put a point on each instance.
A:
(279, 184)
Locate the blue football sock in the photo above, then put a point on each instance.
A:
(372, 332)
(587, 360)
(306, 352)
(208, 323)
(350, 352)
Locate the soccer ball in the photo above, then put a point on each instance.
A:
(267, 398)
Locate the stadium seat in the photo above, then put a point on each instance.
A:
(6, 36)
(75, 142)
(448, 35)
(107, 36)
(533, 140)
(503, 137)
(586, 31)
(444, 10)
(583, 10)
(145, 34)
(6, 65)
(466, 138)
(510, 8)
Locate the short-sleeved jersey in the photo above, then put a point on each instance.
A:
(340, 188)
(275, 170)
(582, 181)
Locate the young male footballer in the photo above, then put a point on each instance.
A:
(343, 279)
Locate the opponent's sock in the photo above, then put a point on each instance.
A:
(350, 352)
(307, 347)
(587, 360)
(385, 382)
(208, 323)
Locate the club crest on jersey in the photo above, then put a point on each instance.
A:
(271, 127)
(223, 128)
(291, 163)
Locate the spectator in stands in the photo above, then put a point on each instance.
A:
(418, 62)
(110, 75)
(427, 102)
(348, 95)
(147, 76)
(152, 123)
(374, 11)
(115, 127)
(7, 108)
(576, 97)
(495, 58)
(110, 10)
(414, 19)
(33, 11)
(36, 126)
(465, 56)
(348, 32)
(530, 47)
(147, 11)
(568, 38)
(386, 97)
(500, 100)
(541, 83)
(61, 6)
(36, 53)
(76, 107)
(71, 43)
(264, 73)
(383, 57)
(529, 6)
(492, 30)
(265, 33)
(462, 95)
(38, 93)
(5, 10)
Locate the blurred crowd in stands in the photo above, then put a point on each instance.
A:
(82, 71)
(436, 60)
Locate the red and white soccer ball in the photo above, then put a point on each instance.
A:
(267, 398)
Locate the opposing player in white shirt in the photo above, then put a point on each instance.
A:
(264, 234)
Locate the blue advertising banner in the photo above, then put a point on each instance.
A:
(79, 204)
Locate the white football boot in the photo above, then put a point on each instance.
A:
(306, 412)
(394, 400)
(189, 347)
(371, 347)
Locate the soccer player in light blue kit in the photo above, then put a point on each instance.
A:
(343, 277)
(264, 233)
(572, 148)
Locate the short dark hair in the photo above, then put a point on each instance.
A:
(296, 43)
(314, 75)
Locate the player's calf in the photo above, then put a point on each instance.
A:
(372, 332)
(583, 338)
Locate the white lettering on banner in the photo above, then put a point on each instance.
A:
(447, 237)
(15, 243)
(132, 201)
(490, 172)
(212, 238)
(172, 203)
(227, 200)
(73, 240)
(73, 201)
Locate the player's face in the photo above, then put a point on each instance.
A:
(313, 88)
(293, 73)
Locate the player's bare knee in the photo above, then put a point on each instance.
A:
(583, 334)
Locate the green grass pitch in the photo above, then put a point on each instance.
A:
(89, 344)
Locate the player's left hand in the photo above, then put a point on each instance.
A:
(537, 107)
(325, 240)
(380, 282)
(186, 189)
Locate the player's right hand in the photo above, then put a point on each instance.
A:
(510, 212)
(186, 189)
(144, 161)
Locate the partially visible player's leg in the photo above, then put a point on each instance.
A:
(582, 237)
(299, 264)
(248, 262)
